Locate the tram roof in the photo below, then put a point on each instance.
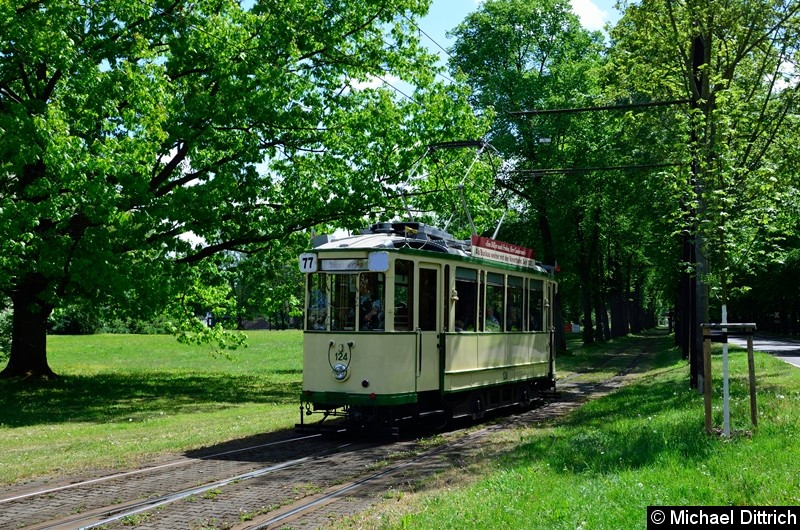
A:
(418, 236)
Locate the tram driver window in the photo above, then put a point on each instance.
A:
(466, 305)
(317, 314)
(428, 299)
(343, 302)
(371, 301)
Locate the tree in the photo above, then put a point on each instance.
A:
(142, 139)
(734, 62)
(520, 57)
(268, 283)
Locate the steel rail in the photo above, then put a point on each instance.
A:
(114, 515)
(148, 469)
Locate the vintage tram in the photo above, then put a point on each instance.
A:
(403, 321)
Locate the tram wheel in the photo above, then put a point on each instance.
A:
(524, 398)
(477, 409)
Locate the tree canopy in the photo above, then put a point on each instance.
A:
(149, 151)
(140, 139)
(608, 182)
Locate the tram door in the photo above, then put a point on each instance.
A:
(428, 326)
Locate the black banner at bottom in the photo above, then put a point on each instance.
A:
(706, 517)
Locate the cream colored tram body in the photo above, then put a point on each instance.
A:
(404, 321)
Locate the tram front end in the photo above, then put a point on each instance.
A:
(357, 365)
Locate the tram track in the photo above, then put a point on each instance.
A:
(301, 514)
(309, 481)
(74, 505)
(106, 516)
(150, 469)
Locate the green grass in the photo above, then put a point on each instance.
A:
(122, 399)
(601, 466)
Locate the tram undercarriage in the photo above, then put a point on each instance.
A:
(432, 410)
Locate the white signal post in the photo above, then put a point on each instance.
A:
(726, 410)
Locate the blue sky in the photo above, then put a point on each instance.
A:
(444, 15)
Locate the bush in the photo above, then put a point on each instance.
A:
(79, 320)
(74, 320)
(155, 326)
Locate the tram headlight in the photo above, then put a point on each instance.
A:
(340, 372)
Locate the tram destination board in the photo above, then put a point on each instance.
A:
(486, 247)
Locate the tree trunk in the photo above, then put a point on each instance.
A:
(28, 357)
(636, 310)
(558, 320)
(585, 275)
(602, 333)
(588, 332)
(615, 305)
(549, 258)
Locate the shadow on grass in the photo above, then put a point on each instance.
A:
(111, 397)
(635, 427)
(603, 356)
(639, 425)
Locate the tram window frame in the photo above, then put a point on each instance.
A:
(403, 315)
(371, 301)
(317, 318)
(481, 299)
(515, 303)
(495, 300)
(446, 299)
(536, 305)
(466, 307)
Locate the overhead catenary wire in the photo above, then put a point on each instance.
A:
(482, 147)
(624, 106)
(395, 88)
(534, 173)
(549, 171)
(411, 21)
(429, 37)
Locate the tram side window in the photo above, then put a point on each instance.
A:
(466, 306)
(535, 305)
(343, 302)
(494, 302)
(317, 314)
(403, 298)
(515, 306)
(371, 301)
(428, 299)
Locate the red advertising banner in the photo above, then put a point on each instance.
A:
(488, 248)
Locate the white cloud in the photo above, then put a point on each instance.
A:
(787, 76)
(591, 16)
